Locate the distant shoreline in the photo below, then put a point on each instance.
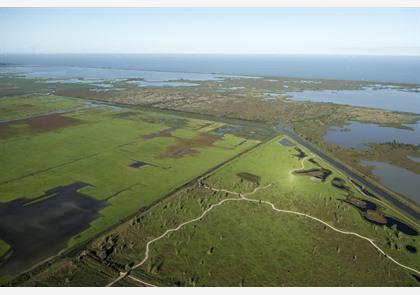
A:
(385, 69)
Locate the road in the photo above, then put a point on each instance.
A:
(372, 187)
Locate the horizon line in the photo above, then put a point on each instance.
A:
(208, 53)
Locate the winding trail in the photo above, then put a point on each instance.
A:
(146, 256)
(243, 197)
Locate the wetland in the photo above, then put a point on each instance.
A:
(38, 229)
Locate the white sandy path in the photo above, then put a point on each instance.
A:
(140, 281)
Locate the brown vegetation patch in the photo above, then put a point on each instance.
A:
(164, 133)
(185, 146)
(375, 216)
(24, 106)
(255, 179)
(356, 202)
(318, 173)
(340, 183)
(36, 124)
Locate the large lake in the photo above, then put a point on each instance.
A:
(397, 179)
(357, 135)
(387, 98)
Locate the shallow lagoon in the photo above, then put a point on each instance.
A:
(104, 77)
(357, 135)
(397, 179)
(99, 74)
(383, 98)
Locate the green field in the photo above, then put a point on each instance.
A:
(247, 243)
(16, 107)
(97, 146)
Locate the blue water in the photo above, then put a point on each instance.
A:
(357, 135)
(371, 68)
(71, 74)
(396, 178)
(384, 98)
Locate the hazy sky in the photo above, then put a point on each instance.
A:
(211, 30)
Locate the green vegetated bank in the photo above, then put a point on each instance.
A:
(242, 243)
(4, 249)
(86, 155)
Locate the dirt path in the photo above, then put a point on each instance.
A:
(140, 281)
(243, 197)
(122, 275)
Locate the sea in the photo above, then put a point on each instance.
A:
(396, 69)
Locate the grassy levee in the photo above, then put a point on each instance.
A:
(411, 204)
(383, 202)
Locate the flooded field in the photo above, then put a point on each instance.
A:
(396, 178)
(385, 98)
(39, 229)
(357, 135)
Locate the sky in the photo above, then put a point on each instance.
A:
(365, 31)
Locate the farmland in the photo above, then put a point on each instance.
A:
(110, 161)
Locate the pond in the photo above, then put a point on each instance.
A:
(357, 135)
(38, 229)
(383, 98)
(397, 179)
(270, 95)
(390, 222)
